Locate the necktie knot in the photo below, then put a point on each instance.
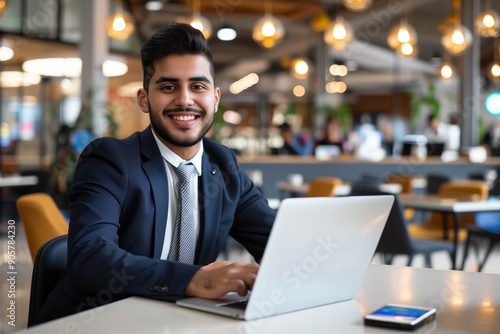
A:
(184, 172)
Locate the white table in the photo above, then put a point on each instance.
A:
(466, 302)
(448, 205)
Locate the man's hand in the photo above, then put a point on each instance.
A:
(218, 278)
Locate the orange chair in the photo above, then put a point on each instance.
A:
(469, 190)
(323, 187)
(41, 219)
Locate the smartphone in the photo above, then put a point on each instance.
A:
(400, 316)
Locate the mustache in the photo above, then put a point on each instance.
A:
(198, 111)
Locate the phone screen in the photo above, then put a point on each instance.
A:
(400, 316)
(402, 313)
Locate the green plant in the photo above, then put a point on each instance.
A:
(342, 113)
(429, 100)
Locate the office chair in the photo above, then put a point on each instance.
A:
(405, 181)
(395, 239)
(41, 219)
(50, 264)
(434, 181)
(470, 190)
(323, 187)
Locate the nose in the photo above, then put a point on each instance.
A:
(184, 97)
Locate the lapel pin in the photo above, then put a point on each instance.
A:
(213, 172)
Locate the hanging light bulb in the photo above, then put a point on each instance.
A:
(339, 33)
(446, 71)
(4, 8)
(402, 33)
(488, 23)
(268, 31)
(495, 72)
(357, 5)
(120, 24)
(456, 39)
(300, 68)
(6, 51)
(407, 50)
(202, 24)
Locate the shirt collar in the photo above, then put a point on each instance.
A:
(174, 159)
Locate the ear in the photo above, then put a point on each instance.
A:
(217, 98)
(142, 100)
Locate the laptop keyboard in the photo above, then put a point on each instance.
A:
(239, 305)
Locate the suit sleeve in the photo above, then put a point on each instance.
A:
(96, 263)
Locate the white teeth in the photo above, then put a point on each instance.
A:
(183, 118)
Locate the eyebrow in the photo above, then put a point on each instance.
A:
(193, 79)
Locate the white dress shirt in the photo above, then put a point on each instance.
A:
(172, 161)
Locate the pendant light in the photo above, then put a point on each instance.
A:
(6, 50)
(488, 22)
(268, 31)
(357, 5)
(4, 8)
(494, 67)
(456, 38)
(200, 22)
(447, 70)
(339, 33)
(120, 24)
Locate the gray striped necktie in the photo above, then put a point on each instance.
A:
(183, 244)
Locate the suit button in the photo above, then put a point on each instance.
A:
(163, 289)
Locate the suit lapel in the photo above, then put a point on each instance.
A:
(210, 204)
(154, 168)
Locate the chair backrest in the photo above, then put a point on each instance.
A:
(41, 219)
(395, 238)
(434, 182)
(473, 190)
(404, 180)
(466, 190)
(323, 187)
(50, 264)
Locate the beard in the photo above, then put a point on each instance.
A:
(162, 132)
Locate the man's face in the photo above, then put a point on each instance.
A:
(181, 101)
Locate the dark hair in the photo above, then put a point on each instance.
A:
(173, 38)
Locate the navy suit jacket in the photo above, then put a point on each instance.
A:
(118, 218)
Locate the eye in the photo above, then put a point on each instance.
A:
(168, 87)
(198, 86)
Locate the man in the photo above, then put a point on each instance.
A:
(294, 144)
(124, 196)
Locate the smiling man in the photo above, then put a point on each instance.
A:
(138, 226)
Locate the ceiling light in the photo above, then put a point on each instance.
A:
(268, 31)
(299, 91)
(456, 39)
(154, 6)
(339, 33)
(114, 68)
(488, 23)
(446, 71)
(300, 68)
(226, 34)
(244, 83)
(120, 24)
(18, 79)
(70, 67)
(6, 51)
(495, 72)
(492, 103)
(357, 5)
(401, 34)
(4, 8)
(338, 70)
(202, 24)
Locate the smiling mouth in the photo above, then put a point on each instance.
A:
(183, 118)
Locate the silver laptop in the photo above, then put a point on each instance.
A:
(318, 253)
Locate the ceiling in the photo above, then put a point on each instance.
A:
(369, 52)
